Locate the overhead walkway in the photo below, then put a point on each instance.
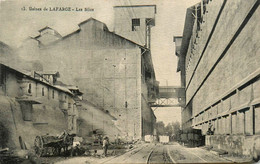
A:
(170, 96)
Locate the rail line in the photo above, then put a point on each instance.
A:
(149, 156)
(196, 155)
(162, 156)
(170, 155)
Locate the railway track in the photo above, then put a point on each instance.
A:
(173, 153)
(159, 155)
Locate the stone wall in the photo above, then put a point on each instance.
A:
(236, 144)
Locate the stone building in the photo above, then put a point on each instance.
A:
(115, 74)
(32, 107)
(219, 61)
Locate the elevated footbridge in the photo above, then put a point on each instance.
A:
(170, 96)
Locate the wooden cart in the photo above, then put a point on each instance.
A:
(52, 145)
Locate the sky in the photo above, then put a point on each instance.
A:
(16, 25)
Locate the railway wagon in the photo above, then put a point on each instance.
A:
(164, 139)
(191, 137)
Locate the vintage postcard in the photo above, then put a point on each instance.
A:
(129, 81)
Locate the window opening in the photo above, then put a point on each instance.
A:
(42, 91)
(135, 24)
(53, 94)
(30, 88)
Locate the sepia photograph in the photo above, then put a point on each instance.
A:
(129, 81)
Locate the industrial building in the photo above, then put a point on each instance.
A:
(135, 22)
(219, 64)
(115, 74)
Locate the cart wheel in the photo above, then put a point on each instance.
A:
(38, 146)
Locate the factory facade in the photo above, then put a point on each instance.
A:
(219, 64)
(114, 73)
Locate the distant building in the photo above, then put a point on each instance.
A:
(114, 73)
(31, 107)
(219, 60)
(47, 35)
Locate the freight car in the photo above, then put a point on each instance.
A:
(191, 137)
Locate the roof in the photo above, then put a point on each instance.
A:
(46, 27)
(49, 73)
(63, 88)
(36, 80)
(72, 87)
(109, 31)
(93, 19)
(78, 30)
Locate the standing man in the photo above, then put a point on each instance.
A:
(210, 131)
(105, 145)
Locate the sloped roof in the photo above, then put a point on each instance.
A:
(45, 28)
(63, 89)
(86, 21)
(49, 73)
(19, 72)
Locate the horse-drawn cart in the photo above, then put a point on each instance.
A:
(52, 145)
